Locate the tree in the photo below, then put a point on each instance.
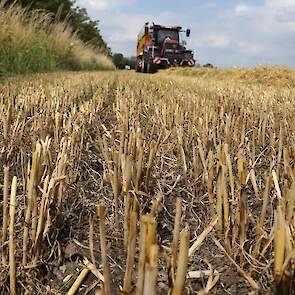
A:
(118, 60)
(64, 7)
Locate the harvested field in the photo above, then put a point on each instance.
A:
(272, 76)
(150, 183)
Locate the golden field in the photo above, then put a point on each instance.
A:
(124, 183)
(261, 75)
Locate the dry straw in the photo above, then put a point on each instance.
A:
(182, 263)
(12, 210)
(103, 248)
(5, 215)
(226, 148)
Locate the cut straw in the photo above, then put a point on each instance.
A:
(12, 267)
(130, 253)
(5, 211)
(103, 248)
(182, 264)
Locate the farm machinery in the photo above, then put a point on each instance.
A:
(160, 47)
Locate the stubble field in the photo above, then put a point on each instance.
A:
(146, 184)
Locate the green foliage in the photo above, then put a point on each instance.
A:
(48, 46)
(120, 61)
(86, 29)
(18, 58)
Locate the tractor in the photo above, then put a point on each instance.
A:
(160, 47)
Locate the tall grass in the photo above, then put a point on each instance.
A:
(32, 41)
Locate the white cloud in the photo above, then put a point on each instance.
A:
(272, 16)
(251, 48)
(279, 3)
(101, 5)
(264, 32)
(242, 9)
(212, 40)
(124, 27)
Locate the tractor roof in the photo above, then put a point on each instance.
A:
(156, 26)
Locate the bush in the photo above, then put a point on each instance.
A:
(31, 41)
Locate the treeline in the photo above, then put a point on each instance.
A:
(66, 10)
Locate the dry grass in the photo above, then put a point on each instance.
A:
(172, 183)
(34, 42)
(262, 75)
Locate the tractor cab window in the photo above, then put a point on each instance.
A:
(167, 34)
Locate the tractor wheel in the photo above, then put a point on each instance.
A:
(151, 68)
(137, 66)
(144, 66)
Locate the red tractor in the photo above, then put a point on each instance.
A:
(159, 47)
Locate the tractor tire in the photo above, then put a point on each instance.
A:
(151, 68)
(137, 66)
(144, 66)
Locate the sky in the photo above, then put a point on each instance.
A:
(223, 32)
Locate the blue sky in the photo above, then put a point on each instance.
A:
(223, 32)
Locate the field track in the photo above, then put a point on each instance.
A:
(224, 151)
